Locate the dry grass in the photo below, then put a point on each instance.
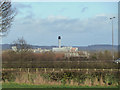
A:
(37, 79)
(34, 78)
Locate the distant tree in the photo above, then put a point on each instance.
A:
(21, 45)
(94, 56)
(100, 55)
(116, 54)
(107, 55)
(7, 14)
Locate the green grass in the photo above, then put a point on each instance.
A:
(15, 85)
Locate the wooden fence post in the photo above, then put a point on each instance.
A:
(20, 69)
(28, 70)
(45, 70)
(95, 69)
(11, 69)
(87, 71)
(103, 69)
(36, 69)
(53, 69)
(111, 70)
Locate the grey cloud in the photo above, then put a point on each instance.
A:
(84, 9)
(30, 15)
(27, 8)
(21, 5)
(99, 23)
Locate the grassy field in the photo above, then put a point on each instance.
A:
(15, 85)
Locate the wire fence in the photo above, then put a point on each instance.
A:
(57, 70)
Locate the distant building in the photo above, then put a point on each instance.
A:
(84, 54)
(39, 50)
(14, 48)
(68, 51)
(72, 54)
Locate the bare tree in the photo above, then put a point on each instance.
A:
(7, 14)
(21, 45)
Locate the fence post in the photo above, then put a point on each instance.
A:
(11, 69)
(53, 69)
(28, 70)
(111, 69)
(87, 71)
(95, 69)
(103, 69)
(36, 69)
(45, 69)
(61, 69)
(20, 69)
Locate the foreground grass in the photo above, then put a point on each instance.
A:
(15, 85)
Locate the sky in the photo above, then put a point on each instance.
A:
(78, 23)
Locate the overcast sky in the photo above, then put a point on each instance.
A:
(78, 23)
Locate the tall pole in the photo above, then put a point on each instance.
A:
(112, 39)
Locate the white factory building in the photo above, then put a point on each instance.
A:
(68, 51)
(39, 50)
(63, 49)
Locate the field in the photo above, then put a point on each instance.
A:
(15, 85)
(47, 71)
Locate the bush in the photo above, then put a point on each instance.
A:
(29, 59)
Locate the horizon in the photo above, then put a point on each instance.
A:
(71, 46)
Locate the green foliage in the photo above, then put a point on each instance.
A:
(46, 76)
(8, 76)
(102, 55)
(108, 78)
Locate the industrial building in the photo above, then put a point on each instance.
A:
(67, 51)
(63, 49)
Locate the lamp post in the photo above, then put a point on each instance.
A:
(112, 38)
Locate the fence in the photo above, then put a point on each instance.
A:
(56, 70)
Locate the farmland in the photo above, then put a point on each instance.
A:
(45, 70)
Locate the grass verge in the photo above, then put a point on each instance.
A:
(15, 85)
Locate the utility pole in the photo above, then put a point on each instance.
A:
(112, 39)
